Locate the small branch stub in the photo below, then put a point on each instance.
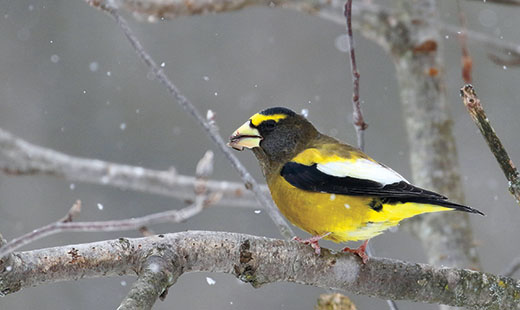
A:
(477, 113)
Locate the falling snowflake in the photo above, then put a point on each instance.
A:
(210, 281)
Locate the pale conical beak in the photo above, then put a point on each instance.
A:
(245, 136)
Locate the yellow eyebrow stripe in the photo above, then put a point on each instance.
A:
(258, 118)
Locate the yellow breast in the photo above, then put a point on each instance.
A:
(346, 218)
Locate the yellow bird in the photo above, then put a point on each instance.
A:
(328, 188)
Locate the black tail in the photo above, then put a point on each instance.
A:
(445, 203)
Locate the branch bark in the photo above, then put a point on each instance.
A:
(260, 261)
(478, 115)
(5, 261)
(158, 274)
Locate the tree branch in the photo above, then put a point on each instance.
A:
(63, 225)
(153, 10)
(259, 261)
(249, 181)
(357, 114)
(5, 261)
(19, 157)
(202, 199)
(504, 2)
(158, 274)
(478, 115)
(368, 15)
(512, 268)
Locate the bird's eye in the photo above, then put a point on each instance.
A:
(269, 124)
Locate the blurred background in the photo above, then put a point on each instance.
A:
(70, 81)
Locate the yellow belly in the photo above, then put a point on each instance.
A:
(345, 218)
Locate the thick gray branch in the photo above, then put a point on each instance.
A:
(259, 261)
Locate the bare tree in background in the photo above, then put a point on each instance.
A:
(410, 33)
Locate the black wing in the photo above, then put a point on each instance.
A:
(309, 178)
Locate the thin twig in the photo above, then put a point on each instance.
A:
(202, 199)
(477, 113)
(467, 61)
(359, 122)
(512, 59)
(39, 233)
(170, 216)
(504, 2)
(249, 181)
(19, 157)
(480, 37)
(512, 268)
(392, 305)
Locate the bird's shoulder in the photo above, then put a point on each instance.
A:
(331, 166)
(324, 149)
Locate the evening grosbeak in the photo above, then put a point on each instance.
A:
(328, 188)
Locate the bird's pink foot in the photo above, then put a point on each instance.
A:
(361, 251)
(312, 241)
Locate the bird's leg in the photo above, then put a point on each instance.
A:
(359, 251)
(313, 241)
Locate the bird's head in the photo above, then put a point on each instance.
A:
(275, 134)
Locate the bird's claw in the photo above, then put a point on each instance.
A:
(312, 241)
(361, 251)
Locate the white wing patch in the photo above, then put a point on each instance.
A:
(361, 169)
